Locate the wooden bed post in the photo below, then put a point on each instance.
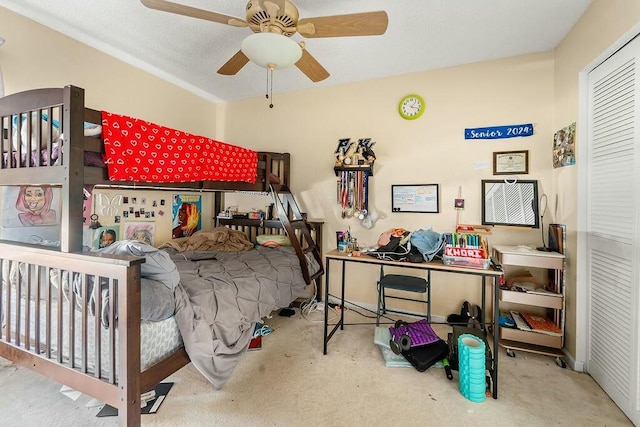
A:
(218, 205)
(73, 159)
(129, 355)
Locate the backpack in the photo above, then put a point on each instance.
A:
(397, 248)
(428, 243)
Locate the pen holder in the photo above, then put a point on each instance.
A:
(461, 257)
(469, 250)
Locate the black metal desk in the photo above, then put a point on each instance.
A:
(490, 274)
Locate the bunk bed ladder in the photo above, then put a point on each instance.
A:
(302, 242)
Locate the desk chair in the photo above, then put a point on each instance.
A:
(399, 282)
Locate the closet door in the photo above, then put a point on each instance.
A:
(613, 227)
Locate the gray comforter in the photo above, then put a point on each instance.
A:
(222, 295)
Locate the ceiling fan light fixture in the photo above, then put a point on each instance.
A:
(271, 50)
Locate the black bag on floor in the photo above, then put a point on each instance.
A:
(424, 356)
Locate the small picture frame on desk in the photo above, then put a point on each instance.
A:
(511, 162)
(421, 198)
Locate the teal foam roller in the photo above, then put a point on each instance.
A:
(471, 364)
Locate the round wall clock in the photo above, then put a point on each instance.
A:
(411, 107)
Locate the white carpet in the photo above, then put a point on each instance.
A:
(289, 382)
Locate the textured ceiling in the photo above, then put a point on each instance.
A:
(422, 35)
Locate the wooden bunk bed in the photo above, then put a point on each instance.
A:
(35, 335)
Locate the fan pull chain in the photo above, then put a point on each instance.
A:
(271, 88)
(269, 94)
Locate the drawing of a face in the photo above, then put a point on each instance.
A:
(34, 198)
(182, 213)
(141, 236)
(107, 238)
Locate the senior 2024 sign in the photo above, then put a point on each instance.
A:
(499, 132)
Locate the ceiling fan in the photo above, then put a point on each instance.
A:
(280, 17)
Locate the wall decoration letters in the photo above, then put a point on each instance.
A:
(499, 132)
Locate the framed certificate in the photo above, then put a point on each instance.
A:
(510, 162)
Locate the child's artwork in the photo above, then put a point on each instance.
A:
(564, 146)
(31, 214)
(105, 236)
(186, 215)
(142, 231)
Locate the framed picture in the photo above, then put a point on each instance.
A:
(512, 204)
(510, 162)
(423, 198)
(142, 231)
(105, 236)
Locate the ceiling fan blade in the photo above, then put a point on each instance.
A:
(355, 24)
(235, 64)
(311, 67)
(193, 12)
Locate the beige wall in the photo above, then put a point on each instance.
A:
(541, 88)
(603, 24)
(429, 150)
(35, 56)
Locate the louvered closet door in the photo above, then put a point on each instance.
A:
(613, 217)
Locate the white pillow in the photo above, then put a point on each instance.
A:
(91, 129)
(34, 135)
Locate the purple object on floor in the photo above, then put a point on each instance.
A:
(420, 332)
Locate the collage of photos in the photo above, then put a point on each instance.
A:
(31, 214)
(134, 218)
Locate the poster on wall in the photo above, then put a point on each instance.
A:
(186, 215)
(31, 214)
(564, 146)
(105, 236)
(142, 231)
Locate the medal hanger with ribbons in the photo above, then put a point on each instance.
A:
(354, 166)
(353, 194)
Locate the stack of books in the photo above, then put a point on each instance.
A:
(535, 323)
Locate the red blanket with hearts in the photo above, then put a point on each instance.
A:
(137, 150)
